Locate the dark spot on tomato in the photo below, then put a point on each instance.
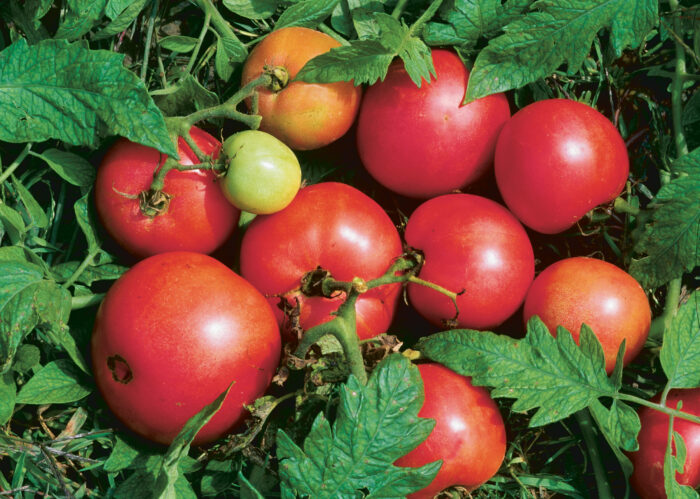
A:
(121, 372)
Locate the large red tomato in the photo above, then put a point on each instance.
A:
(171, 334)
(333, 226)
(469, 435)
(606, 298)
(648, 477)
(422, 142)
(556, 160)
(474, 245)
(199, 217)
(302, 115)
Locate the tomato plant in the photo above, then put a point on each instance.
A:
(556, 160)
(195, 217)
(648, 477)
(475, 247)
(582, 290)
(302, 115)
(422, 142)
(263, 174)
(469, 435)
(172, 334)
(332, 226)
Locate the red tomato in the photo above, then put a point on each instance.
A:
(606, 298)
(469, 435)
(556, 160)
(333, 226)
(302, 115)
(648, 477)
(171, 334)
(422, 142)
(473, 244)
(199, 217)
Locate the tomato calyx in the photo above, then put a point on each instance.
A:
(279, 77)
(154, 202)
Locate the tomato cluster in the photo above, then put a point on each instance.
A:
(177, 328)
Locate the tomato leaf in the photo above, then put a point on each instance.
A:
(37, 216)
(252, 9)
(70, 167)
(93, 273)
(670, 239)
(620, 428)
(56, 90)
(540, 371)
(672, 465)
(307, 13)
(27, 300)
(80, 17)
(12, 224)
(8, 391)
(680, 353)
(363, 61)
(57, 382)
(123, 20)
(248, 491)
(535, 45)
(178, 43)
(376, 424)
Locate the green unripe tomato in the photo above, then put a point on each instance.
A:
(263, 174)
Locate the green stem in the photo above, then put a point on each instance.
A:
(659, 407)
(200, 41)
(325, 29)
(15, 164)
(398, 10)
(171, 164)
(85, 301)
(622, 206)
(149, 39)
(81, 268)
(220, 24)
(585, 422)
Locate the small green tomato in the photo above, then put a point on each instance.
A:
(263, 174)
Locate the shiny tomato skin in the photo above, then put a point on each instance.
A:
(469, 435)
(184, 326)
(338, 228)
(302, 115)
(648, 477)
(475, 245)
(556, 160)
(199, 217)
(606, 298)
(422, 142)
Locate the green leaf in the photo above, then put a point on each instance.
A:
(540, 371)
(36, 213)
(12, 253)
(169, 473)
(59, 335)
(86, 222)
(307, 13)
(376, 424)
(252, 9)
(107, 272)
(672, 465)
(363, 20)
(57, 382)
(557, 32)
(178, 43)
(27, 300)
(80, 17)
(121, 457)
(116, 7)
(670, 239)
(222, 61)
(184, 97)
(12, 223)
(8, 390)
(680, 353)
(27, 357)
(38, 8)
(691, 110)
(620, 424)
(72, 168)
(57, 90)
(364, 61)
(247, 489)
(123, 20)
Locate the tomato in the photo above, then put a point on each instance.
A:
(263, 174)
(171, 334)
(556, 160)
(199, 217)
(606, 298)
(474, 245)
(648, 477)
(333, 226)
(422, 142)
(469, 435)
(302, 115)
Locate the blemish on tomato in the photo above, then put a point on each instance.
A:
(121, 372)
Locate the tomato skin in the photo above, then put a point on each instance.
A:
(473, 244)
(556, 160)
(186, 326)
(421, 142)
(199, 218)
(302, 115)
(469, 435)
(338, 228)
(263, 174)
(648, 477)
(606, 298)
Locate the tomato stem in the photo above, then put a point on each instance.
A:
(585, 422)
(200, 41)
(85, 301)
(15, 164)
(659, 407)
